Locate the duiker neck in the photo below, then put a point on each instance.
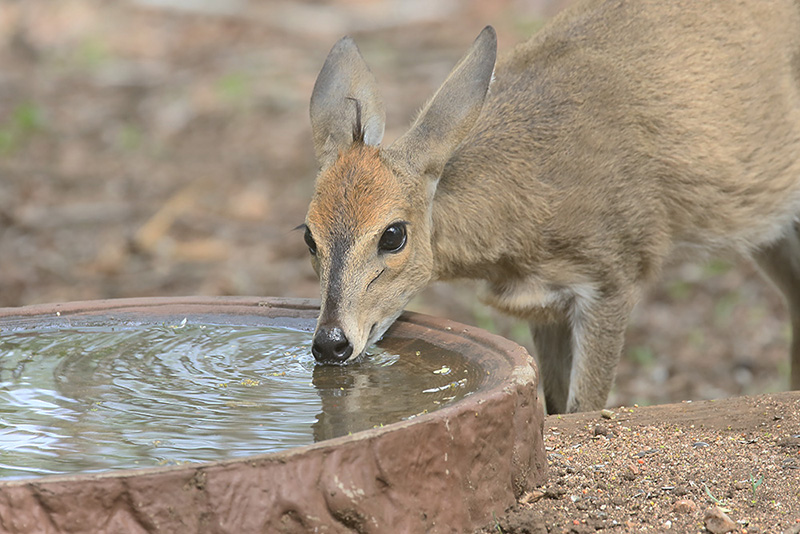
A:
(513, 198)
(485, 218)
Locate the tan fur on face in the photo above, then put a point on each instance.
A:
(356, 199)
(356, 192)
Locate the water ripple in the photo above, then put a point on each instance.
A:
(99, 398)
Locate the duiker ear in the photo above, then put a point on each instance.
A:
(345, 92)
(451, 113)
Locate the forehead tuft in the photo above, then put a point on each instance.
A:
(356, 192)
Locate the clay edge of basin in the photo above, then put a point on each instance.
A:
(440, 472)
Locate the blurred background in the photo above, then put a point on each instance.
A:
(163, 147)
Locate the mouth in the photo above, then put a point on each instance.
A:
(374, 335)
(378, 329)
(376, 332)
(371, 338)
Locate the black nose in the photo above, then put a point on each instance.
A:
(331, 345)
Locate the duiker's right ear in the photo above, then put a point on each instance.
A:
(343, 80)
(451, 113)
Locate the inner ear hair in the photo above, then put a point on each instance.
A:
(358, 128)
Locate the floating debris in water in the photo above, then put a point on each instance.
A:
(240, 404)
(457, 384)
(179, 326)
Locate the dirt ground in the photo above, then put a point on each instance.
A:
(162, 147)
(730, 465)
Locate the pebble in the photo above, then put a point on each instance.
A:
(630, 471)
(607, 414)
(600, 430)
(718, 522)
(684, 506)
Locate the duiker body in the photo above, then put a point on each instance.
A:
(622, 133)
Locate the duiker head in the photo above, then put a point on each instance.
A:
(368, 226)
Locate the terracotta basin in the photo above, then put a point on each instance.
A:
(446, 471)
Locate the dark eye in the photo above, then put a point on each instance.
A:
(393, 238)
(312, 245)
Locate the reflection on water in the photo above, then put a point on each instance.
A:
(92, 399)
(386, 388)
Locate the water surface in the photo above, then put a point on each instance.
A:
(98, 398)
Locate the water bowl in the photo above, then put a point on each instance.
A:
(209, 415)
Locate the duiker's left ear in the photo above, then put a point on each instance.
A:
(451, 113)
(344, 78)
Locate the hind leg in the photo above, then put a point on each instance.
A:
(780, 262)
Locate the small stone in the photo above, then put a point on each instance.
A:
(607, 414)
(699, 444)
(600, 430)
(684, 506)
(718, 522)
(630, 472)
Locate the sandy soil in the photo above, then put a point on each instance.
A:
(151, 150)
(731, 465)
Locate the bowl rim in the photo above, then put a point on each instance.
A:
(517, 364)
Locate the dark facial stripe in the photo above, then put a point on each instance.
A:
(338, 254)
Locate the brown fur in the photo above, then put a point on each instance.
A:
(621, 134)
(354, 193)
